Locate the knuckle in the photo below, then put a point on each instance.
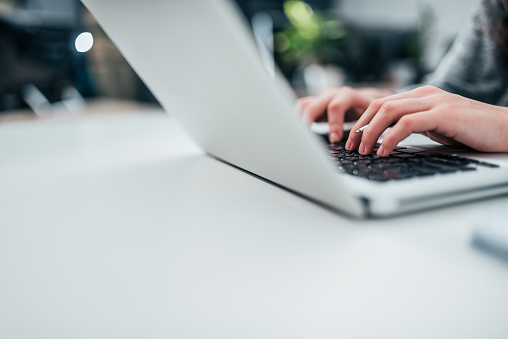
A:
(446, 108)
(311, 108)
(302, 105)
(430, 89)
(332, 91)
(387, 107)
(304, 101)
(329, 91)
(347, 89)
(335, 105)
(422, 89)
(377, 103)
(406, 122)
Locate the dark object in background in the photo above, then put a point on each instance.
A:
(37, 48)
(366, 54)
(369, 52)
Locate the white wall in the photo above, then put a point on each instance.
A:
(450, 16)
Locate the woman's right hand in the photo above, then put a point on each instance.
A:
(444, 117)
(337, 105)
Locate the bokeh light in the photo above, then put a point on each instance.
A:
(84, 42)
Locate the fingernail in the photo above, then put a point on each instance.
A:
(334, 137)
(361, 149)
(381, 151)
(348, 145)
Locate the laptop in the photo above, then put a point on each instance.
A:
(200, 61)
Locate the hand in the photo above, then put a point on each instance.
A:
(339, 105)
(444, 117)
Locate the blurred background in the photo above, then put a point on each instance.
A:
(55, 58)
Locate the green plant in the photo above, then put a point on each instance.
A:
(311, 37)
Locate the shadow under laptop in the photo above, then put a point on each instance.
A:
(202, 178)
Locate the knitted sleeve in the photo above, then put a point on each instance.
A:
(476, 66)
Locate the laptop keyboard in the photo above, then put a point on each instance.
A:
(402, 163)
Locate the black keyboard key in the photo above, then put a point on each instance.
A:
(404, 155)
(467, 169)
(486, 164)
(412, 150)
(402, 163)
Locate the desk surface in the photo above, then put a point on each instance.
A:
(119, 227)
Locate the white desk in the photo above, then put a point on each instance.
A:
(118, 227)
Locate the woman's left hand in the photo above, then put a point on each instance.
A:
(444, 117)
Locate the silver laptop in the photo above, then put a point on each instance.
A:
(200, 61)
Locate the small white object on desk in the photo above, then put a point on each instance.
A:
(491, 230)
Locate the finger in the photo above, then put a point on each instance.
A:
(318, 106)
(375, 105)
(408, 124)
(389, 112)
(355, 138)
(337, 109)
(336, 112)
(303, 103)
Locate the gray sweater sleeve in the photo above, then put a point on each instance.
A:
(476, 66)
